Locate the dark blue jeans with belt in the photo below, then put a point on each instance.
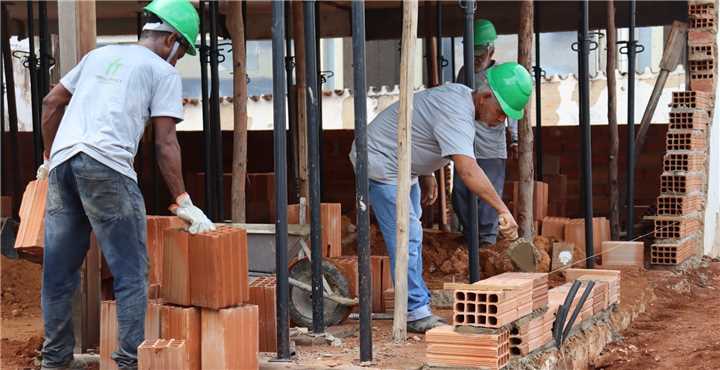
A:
(83, 196)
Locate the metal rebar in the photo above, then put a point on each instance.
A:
(34, 87)
(313, 121)
(361, 179)
(469, 62)
(586, 148)
(538, 99)
(279, 154)
(215, 107)
(207, 134)
(630, 176)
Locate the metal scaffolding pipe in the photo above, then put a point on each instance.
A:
(44, 79)
(34, 88)
(207, 135)
(630, 175)
(292, 104)
(361, 179)
(321, 141)
(469, 62)
(313, 122)
(215, 109)
(586, 148)
(12, 142)
(538, 99)
(279, 155)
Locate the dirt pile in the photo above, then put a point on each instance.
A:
(20, 281)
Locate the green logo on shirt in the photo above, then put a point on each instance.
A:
(113, 67)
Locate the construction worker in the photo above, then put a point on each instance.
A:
(92, 124)
(443, 129)
(490, 145)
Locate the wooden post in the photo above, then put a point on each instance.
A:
(301, 89)
(235, 24)
(78, 33)
(612, 122)
(525, 132)
(407, 73)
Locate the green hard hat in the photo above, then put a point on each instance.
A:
(484, 32)
(181, 15)
(511, 84)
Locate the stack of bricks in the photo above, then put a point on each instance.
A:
(156, 226)
(31, 233)
(331, 223)
(381, 278)
(449, 348)
(529, 334)
(262, 294)
(492, 303)
(539, 285)
(575, 235)
(611, 277)
(205, 291)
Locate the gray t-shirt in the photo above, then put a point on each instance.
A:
(490, 142)
(115, 90)
(442, 126)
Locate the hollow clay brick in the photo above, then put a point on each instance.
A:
(175, 287)
(262, 294)
(182, 323)
(330, 220)
(621, 253)
(163, 354)
(229, 338)
(30, 235)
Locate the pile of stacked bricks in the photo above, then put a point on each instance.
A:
(202, 318)
(682, 184)
(483, 314)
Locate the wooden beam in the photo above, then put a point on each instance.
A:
(236, 27)
(407, 73)
(301, 90)
(525, 133)
(612, 122)
(78, 33)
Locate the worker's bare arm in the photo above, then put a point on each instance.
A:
(475, 179)
(167, 152)
(54, 105)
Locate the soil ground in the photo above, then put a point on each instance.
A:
(680, 329)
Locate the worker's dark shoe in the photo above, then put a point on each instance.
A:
(74, 364)
(425, 324)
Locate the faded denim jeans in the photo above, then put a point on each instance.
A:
(85, 195)
(487, 215)
(383, 202)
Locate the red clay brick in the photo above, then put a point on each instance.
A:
(672, 253)
(554, 227)
(701, 51)
(678, 205)
(348, 265)
(156, 225)
(684, 161)
(152, 320)
(376, 266)
(163, 354)
(685, 140)
(540, 200)
(575, 235)
(691, 100)
(175, 288)
(681, 182)
(30, 236)
(702, 81)
(108, 334)
(676, 227)
(262, 294)
(229, 338)
(620, 253)
(493, 303)
(695, 119)
(448, 348)
(183, 323)
(219, 268)
(330, 219)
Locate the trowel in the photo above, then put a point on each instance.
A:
(521, 252)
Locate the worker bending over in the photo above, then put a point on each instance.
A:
(443, 129)
(490, 145)
(92, 123)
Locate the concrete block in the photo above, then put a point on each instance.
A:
(229, 338)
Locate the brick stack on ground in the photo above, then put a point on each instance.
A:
(204, 320)
(682, 184)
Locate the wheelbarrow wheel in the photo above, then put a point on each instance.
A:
(301, 300)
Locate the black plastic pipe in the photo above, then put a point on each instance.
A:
(279, 154)
(630, 182)
(469, 61)
(559, 323)
(361, 178)
(207, 133)
(538, 99)
(215, 107)
(313, 121)
(576, 312)
(586, 148)
(34, 88)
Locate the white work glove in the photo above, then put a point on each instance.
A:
(43, 170)
(199, 223)
(507, 226)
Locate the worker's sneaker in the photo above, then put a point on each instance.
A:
(425, 324)
(74, 364)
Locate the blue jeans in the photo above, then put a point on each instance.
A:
(382, 201)
(85, 195)
(487, 215)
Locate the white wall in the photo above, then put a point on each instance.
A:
(711, 244)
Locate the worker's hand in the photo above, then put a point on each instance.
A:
(507, 226)
(428, 187)
(514, 151)
(186, 210)
(43, 170)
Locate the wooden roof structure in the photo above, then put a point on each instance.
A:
(384, 18)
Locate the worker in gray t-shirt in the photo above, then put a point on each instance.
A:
(490, 145)
(443, 130)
